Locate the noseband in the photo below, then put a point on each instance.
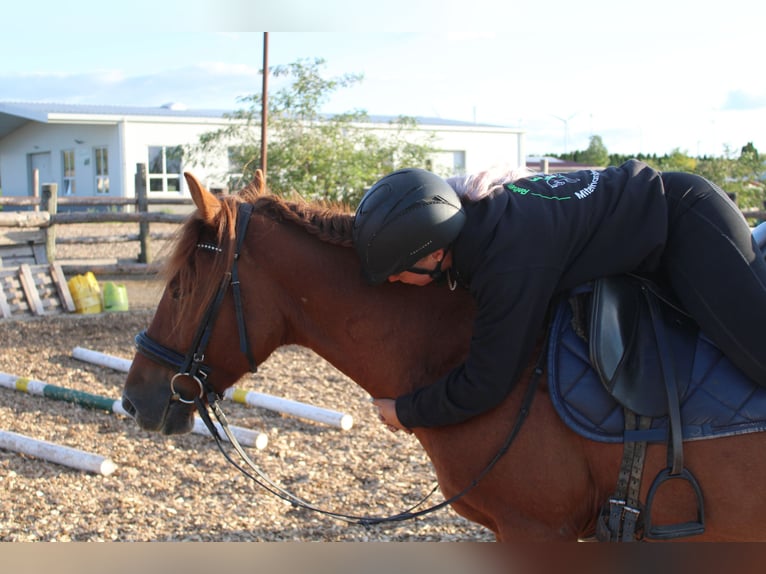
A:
(192, 365)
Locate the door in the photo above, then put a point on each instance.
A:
(42, 163)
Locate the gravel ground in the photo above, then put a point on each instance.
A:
(181, 488)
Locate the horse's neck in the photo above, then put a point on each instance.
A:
(385, 338)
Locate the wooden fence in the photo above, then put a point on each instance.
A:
(30, 236)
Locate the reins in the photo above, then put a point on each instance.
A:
(192, 366)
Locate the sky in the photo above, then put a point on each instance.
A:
(647, 77)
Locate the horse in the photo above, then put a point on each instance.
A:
(300, 283)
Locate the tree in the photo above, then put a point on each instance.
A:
(595, 154)
(319, 156)
(743, 177)
(750, 163)
(749, 173)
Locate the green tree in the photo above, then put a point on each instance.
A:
(677, 160)
(750, 163)
(741, 176)
(748, 177)
(718, 169)
(319, 156)
(595, 154)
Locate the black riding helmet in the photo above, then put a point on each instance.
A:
(402, 218)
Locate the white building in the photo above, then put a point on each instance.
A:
(94, 150)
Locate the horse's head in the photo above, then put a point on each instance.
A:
(184, 354)
(301, 283)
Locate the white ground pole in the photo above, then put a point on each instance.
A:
(302, 410)
(245, 436)
(60, 454)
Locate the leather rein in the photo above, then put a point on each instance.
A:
(191, 366)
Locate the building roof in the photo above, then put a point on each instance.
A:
(556, 165)
(13, 115)
(38, 110)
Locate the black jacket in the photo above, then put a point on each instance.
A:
(518, 248)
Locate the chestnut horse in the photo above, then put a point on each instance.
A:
(301, 284)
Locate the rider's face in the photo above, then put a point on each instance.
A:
(429, 263)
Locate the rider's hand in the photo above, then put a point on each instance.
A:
(387, 415)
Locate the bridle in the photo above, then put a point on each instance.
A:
(191, 366)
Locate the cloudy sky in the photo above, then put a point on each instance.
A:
(647, 77)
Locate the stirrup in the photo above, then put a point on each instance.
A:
(680, 530)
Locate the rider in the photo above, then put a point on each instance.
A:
(515, 242)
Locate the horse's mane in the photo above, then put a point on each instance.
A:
(330, 223)
(191, 267)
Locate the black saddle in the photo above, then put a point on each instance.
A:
(627, 365)
(642, 344)
(631, 322)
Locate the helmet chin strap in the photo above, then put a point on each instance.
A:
(437, 273)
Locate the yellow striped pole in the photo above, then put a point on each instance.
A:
(34, 387)
(330, 417)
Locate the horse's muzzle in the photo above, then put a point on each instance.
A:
(173, 418)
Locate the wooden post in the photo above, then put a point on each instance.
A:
(50, 204)
(36, 188)
(142, 202)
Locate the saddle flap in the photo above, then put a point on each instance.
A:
(623, 345)
(614, 310)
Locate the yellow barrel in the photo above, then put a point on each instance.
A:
(86, 293)
(115, 296)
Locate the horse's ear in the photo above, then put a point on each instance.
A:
(207, 204)
(259, 181)
(256, 188)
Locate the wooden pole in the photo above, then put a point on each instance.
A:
(265, 103)
(60, 454)
(36, 188)
(24, 219)
(142, 201)
(88, 217)
(50, 204)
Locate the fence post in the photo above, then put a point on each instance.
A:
(142, 203)
(36, 188)
(50, 204)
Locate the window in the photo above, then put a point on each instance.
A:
(165, 168)
(448, 162)
(67, 162)
(102, 169)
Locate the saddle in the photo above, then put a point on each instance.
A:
(627, 365)
(642, 344)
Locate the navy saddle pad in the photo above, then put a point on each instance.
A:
(719, 400)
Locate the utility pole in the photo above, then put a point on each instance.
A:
(264, 103)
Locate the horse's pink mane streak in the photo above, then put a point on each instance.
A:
(301, 284)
